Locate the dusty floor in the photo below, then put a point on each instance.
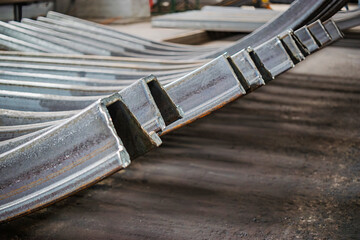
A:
(280, 163)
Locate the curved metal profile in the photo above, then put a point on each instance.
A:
(12, 143)
(86, 62)
(346, 20)
(68, 32)
(98, 140)
(334, 9)
(106, 31)
(146, 98)
(300, 13)
(268, 67)
(12, 117)
(109, 74)
(29, 36)
(84, 149)
(9, 132)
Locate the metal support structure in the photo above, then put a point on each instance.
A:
(103, 135)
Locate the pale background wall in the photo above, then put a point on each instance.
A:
(84, 9)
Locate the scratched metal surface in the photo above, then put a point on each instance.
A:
(280, 163)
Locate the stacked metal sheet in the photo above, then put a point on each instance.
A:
(211, 18)
(59, 33)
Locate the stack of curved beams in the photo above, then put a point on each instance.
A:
(71, 120)
(59, 33)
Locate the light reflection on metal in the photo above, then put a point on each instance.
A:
(334, 32)
(307, 39)
(300, 13)
(318, 30)
(79, 152)
(292, 46)
(101, 138)
(204, 90)
(274, 56)
(246, 68)
(61, 33)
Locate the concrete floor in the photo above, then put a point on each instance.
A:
(280, 163)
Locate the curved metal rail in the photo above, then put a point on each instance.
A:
(103, 137)
(301, 12)
(59, 33)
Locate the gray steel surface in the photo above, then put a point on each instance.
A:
(307, 39)
(293, 46)
(317, 29)
(91, 37)
(105, 133)
(84, 149)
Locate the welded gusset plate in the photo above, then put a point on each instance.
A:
(151, 104)
(245, 68)
(146, 98)
(98, 141)
(170, 112)
(204, 90)
(265, 73)
(137, 96)
(274, 57)
(319, 33)
(333, 30)
(293, 48)
(304, 35)
(139, 100)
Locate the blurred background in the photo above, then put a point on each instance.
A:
(115, 8)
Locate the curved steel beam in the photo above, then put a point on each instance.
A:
(77, 161)
(99, 139)
(299, 13)
(58, 29)
(346, 20)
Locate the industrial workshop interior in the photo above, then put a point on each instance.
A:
(179, 119)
